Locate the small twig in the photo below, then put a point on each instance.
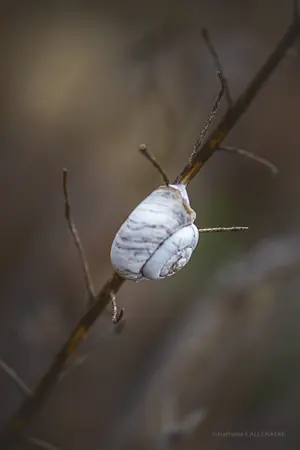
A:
(218, 65)
(17, 380)
(73, 230)
(40, 443)
(220, 229)
(242, 152)
(232, 116)
(211, 117)
(144, 151)
(224, 90)
(117, 313)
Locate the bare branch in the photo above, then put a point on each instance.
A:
(32, 404)
(77, 241)
(219, 68)
(211, 117)
(40, 443)
(242, 152)
(16, 379)
(232, 116)
(14, 430)
(220, 229)
(144, 151)
(224, 90)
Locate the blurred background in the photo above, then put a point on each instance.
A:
(214, 350)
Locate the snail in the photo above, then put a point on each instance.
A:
(158, 237)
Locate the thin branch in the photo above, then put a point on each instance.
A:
(12, 433)
(220, 229)
(259, 159)
(144, 151)
(211, 117)
(40, 443)
(32, 404)
(224, 90)
(16, 379)
(77, 241)
(232, 116)
(218, 65)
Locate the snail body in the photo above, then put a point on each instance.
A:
(158, 237)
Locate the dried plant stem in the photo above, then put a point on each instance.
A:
(211, 117)
(232, 116)
(240, 151)
(221, 229)
(13, 432)
(145, 151)
(77, 241)
(32, 404)
(218, 65)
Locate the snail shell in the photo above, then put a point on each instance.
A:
(158, 237)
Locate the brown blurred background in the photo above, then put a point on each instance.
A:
(214, 349)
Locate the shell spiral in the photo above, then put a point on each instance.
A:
(158, 237)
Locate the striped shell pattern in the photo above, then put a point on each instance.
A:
(158, 237)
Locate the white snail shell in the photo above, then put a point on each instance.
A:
(158, 237)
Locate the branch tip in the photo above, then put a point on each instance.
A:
(217, 62)
(143, 148)
(222, 229)
(77, 241)
(242, 152)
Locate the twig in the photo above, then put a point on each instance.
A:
(224, 90)
(77, 241)
(220, 229)
(144, 151)
(40, 443)
(232, 116)
(211, 117)
(32, 404)
(242, 152)
(17, 380)
(218, 65)
(13, 432)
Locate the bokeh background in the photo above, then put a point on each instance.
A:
(214, 350)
